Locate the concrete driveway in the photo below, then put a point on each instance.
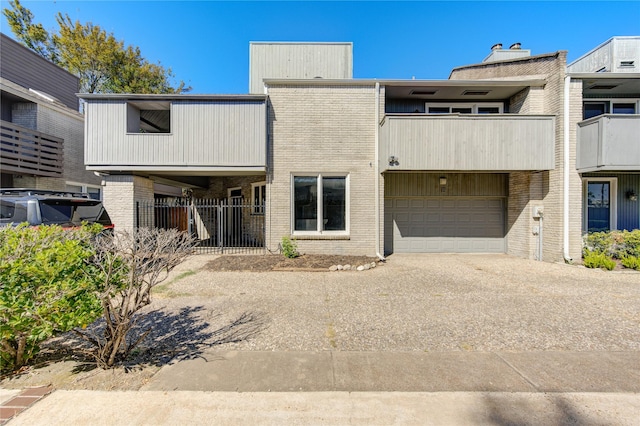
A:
(418, 303)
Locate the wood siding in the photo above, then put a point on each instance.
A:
(468, 142)
(458, 185)
(203, 134)
(298, 61)
(27, 69)
(609, 142)
(28, 151)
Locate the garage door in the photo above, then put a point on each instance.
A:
(440, 225)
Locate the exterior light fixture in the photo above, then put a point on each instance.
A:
(632, 195)
(443, 181)
(393, 160)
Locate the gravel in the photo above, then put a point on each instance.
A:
(411, 303)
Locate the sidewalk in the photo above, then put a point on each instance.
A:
(368, 388)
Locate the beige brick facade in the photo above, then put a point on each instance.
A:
(323, 129)
(121, 192)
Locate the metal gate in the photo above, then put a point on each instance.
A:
(219, 226)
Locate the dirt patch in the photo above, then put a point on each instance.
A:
(263, 263)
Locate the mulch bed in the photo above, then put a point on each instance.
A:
(271, 262)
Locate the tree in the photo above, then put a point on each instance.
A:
(131, 264)
(102, 62)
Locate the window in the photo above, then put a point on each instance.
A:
(464, 108)
(258, 195)
(320, 204)
(609, 106)
(600, 204)
(149, 117)
(94, 192)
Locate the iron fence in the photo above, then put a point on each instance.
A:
(219, 225)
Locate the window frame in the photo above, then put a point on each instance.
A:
(85, 188)
(259, 208)
(320, 205)
(613, 201)
(131, 106)
(473, 105)
(608, 105)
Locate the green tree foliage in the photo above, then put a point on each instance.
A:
(103, 63)
(46, 286)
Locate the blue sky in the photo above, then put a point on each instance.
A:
(206, 43)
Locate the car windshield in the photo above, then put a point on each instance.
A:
(12, 212)
(73, 212)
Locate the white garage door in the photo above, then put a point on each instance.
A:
(441, 225)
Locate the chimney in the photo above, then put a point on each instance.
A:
(496, 46)
(515, 46)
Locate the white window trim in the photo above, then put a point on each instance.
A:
(613, 194)
(258, 209)
(235, 188)
(85, 186)
(320, 208)
(473, 105)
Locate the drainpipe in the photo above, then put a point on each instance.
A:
(565, 213)
(376, 169)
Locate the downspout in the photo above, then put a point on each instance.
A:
(376, 169)
(565, 212)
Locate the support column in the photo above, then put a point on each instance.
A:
(121, 193)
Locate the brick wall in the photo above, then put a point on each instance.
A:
(121, 192)
(541, 100)
(323, 129)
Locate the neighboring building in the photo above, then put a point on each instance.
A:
(482, 162)
(608, 142)
(42, 131)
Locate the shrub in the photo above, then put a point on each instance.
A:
(289, 248)
(598, 260)
(131, 264)
(631, 262)
(46, 286)
(598, 242)
(630, 243)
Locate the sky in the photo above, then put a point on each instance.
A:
(206, 43)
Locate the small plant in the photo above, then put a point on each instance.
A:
(621, 245)
(631, 262)
(46, 286)
(598, 260)
(289, 248)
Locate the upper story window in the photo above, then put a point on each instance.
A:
(149, 117)
(464, 108)
(610, 106)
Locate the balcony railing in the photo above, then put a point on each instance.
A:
(474, 142)
(608, 143)
(27, 151)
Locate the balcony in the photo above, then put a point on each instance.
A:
(471, 142)
(609, 143)
(26, 151)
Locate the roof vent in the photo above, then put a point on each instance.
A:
(626, 63)
(496, 46)
(475, 92)
(423, 92)
(515, 46)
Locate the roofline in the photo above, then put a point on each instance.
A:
(600, 45)
(506, 61)
(345, 43)
(371, 82)
(604, 75)
(157, 97)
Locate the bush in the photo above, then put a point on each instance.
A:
(631, 262)
(615, 244)
(598, 260)
(46, 286)
(289, 248)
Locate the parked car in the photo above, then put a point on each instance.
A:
(40, 207)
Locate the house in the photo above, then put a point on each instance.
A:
(482, 162)
(42, 131)
(608, 139)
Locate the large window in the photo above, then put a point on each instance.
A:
(320, 204)
(600, 204)
(149, 117)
